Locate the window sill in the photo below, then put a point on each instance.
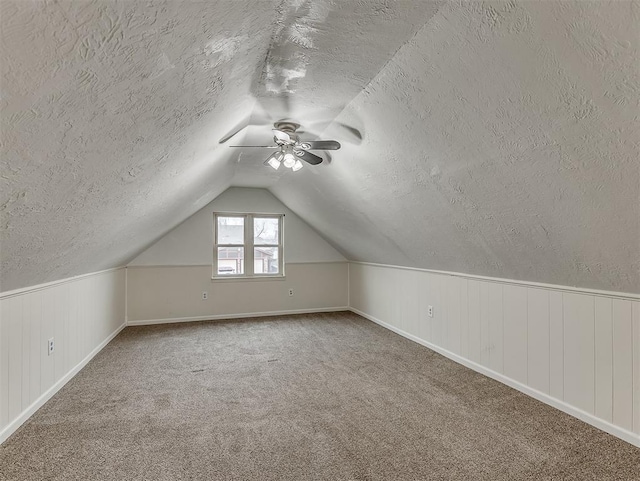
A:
(246, 278)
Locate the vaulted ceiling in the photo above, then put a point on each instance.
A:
(498, 139)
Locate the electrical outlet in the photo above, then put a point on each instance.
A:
(205, 295)
(430, 311)
(50, 346)
(290, 292)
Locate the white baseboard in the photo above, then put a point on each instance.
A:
(218, 317)
(27, 413)
(621, 433)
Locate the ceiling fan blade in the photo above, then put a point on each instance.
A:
(308, 157)
(282, 136)
(320, 145)
(353, 135)
(257, 146)
(352, 130)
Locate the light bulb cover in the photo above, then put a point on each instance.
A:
(289, 160)
(297, 166)
(274, 160)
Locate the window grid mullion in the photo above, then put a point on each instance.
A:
(248, 242)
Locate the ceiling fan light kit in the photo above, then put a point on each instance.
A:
(275, 160)
(285, 158)
(292, 152)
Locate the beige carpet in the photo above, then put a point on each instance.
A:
(319, 397)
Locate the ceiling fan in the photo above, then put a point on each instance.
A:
(290, 149)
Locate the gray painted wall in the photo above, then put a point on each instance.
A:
(191, 243)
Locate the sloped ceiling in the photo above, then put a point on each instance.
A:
(502, 140)
(498, 139)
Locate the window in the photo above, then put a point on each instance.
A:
(247, 245)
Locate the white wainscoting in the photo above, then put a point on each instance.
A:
(82, 315)
(577, 351)
(159, 294)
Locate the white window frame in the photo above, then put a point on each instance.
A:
(249, 247)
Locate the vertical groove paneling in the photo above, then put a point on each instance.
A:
(403, 307)
(26, 356)
(378, 302)
(427, 299)
(47, 332)
(87, 319)
(58, 332)
(419, 293)
(579, 351)
(496, 328)
(453, 311)
(92, 322)
(15, 357)
(556, 345)
(442, 317)
(604, 358)
(475, 342)
(398, 303)
(437, 321)
(464, 318)
(83, 294)
(412, 308)
(515, 332)
(538, 339)
(622, 364)
(357, 286)
(78, 314)
(485, 342)
(66, 314)
(636, 366)
(73, 325)
(37, 345)
(5, 317)
(424, 331)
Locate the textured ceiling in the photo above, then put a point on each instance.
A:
(502, 140)
(499, 139)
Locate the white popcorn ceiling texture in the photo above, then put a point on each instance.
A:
(499, 138)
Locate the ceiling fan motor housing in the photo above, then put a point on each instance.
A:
(286, 126)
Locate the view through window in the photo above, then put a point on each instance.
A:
(247, 245)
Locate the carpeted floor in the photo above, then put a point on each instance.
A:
(319, 397)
